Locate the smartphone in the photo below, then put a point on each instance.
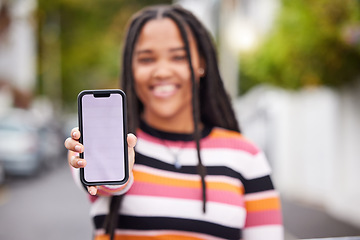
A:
(103, 128)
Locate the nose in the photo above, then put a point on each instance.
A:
(162, 71)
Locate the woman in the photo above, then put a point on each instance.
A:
(195, 176)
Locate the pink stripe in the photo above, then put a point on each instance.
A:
(148, 189)
(227, 143)
(270, 217)
(225, 197)
(92, 198)
(237, 144)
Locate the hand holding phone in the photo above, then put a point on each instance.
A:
(102, 124)
(74, 147)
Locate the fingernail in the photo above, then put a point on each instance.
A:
(80, 163)
(74, 134)
(78, 148)
(92, 192)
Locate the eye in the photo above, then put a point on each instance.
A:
(179, 58)
(146, 59)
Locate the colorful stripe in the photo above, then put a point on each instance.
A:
(218, 138)
(164, 234)
(148, 189)
(260, 218)
(185, 181)
(153, 206)
(263, 204)
(250, 166)
(188, 227)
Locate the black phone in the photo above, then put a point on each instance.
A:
(103, 128)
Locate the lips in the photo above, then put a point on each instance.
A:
(164, 90)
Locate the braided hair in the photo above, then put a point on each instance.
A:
(211, 104)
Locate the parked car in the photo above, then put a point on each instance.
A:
(2, 174)
(25, 145)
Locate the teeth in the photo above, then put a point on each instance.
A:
(161, 89)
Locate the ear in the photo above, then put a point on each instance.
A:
(202, 68)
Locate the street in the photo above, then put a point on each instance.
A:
(49, 206)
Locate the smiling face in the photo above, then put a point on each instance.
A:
(162, 75)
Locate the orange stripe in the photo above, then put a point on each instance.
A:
(109, 190)
(263, 204)
(132, 237)
(222, 133)
(155, 179)
(160, 237)
(102, 237)
(225, 187)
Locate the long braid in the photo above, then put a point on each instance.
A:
(215, 104)
(111, 220)
(127, 76)
(196, 106)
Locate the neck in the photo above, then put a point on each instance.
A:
(176, 125)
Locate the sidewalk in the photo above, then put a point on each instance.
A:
(306, 222)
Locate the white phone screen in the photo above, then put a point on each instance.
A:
(103, 137)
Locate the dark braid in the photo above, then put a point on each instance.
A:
(211, 104)
(215, 104)
(195, 101)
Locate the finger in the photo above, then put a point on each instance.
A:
(131, 139)
(76, 162)
(92, 190)
(73, 145)
(75, 133)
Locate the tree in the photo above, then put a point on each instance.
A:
(80, 44)
(313, 43)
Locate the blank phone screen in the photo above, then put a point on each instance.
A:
(103, 137)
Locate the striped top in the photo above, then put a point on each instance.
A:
(164, 201)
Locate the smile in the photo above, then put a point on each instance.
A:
(164, 90)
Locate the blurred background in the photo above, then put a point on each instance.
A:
(291, 67)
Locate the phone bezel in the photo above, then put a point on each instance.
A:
(102, 93)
